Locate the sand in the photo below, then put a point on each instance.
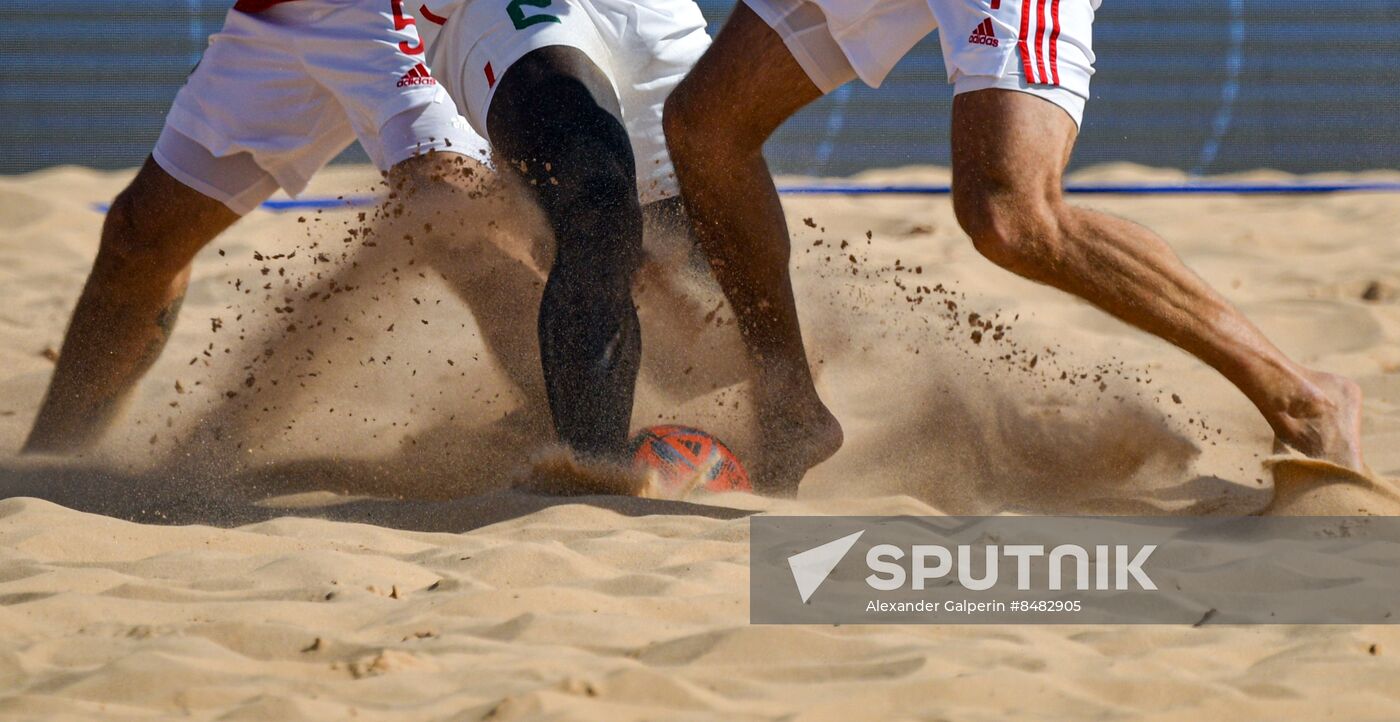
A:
(465, 600)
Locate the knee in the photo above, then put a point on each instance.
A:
(578, 159)
(696, 130)
(148, 238)
(683, 120)
(587, 185)
(593, 175)
(588, 193)
(1016, 231)
(123, 247)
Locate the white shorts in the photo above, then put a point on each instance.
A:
(645, 47)
(1041, 47)
(280, 93)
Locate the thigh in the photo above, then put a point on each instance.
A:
(555, 122)
(544, 98)
(750, 73)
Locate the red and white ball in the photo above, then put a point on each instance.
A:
(681, 457)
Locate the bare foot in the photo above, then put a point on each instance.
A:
(794, 437)
(1327, 426)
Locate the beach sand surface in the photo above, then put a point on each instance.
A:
(384, 384)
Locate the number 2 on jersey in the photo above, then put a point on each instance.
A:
(521, 20)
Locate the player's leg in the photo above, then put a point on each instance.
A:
(738, 221)
(247, 103)
(1009, 149)
(555, 119)
(247, 107)
(128, 306)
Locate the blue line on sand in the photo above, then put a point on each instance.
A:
(301, 204)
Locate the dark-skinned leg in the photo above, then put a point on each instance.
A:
(128, 306)
(1009, 150)
(556, 120)
(717, 120)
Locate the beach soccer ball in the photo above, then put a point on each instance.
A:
(683, 459)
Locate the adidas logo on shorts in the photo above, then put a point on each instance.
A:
(984, 34)
(419, 75)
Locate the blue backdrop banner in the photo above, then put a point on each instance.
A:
(1208, 86)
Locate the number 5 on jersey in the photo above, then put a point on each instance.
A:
(402, 21)
(517, 14)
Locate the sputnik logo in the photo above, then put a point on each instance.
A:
(812, 567)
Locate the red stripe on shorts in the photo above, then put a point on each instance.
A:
(1055, 41)
(1027, 68)
(1039, 41)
